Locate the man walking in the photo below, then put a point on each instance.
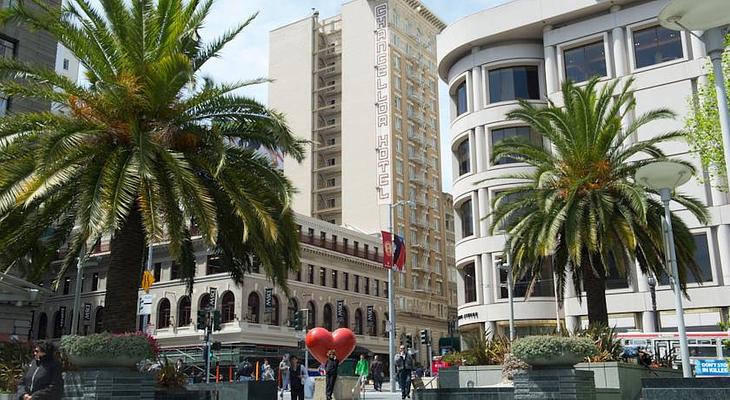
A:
(404, 368)
(376, 370)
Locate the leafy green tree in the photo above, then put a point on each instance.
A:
(579, 208)
(703, 124)
(147, 150)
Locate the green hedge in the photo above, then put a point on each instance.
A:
(546, 347)
(108, 345)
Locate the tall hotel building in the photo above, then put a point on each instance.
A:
(527, 49)
(362, 87)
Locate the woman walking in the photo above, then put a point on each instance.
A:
(43, 381)
(330, 368)
(361, 370)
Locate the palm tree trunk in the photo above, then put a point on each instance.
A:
(595, 287)
(124, 275)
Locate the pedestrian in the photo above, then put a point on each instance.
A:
(245, 371)
(297, 377)
(284, 368)
(330, 368)
(43, 381)
(376, 371)
(362, 368)
(267, 373)
(404, 368)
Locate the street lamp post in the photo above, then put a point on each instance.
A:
(712, 17)
(507, 266)
(664, 177)
(391, 300)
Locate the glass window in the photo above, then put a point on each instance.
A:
(310, 274)
(322, 276)
(460, 99)
(163, 314)
(543, 286)
(253, 308)
(357, 284)
(346, 281)
(524, 132)
(95, 281)
(213, 265)
(513, 83)
(183, 312)
(584, 62)
(701, 257)
(656, 45)
(228, 306)
(463, 157)
(327, 317)
(470, 283)
(467, 223)
(157, 272)
(174, 271)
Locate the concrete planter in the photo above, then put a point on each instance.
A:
(624, 376)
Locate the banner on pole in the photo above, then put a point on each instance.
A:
(213, 296)
(371, 315)
(269, 299)
(387, 249)
(87, 312)
(399, 253)
(62, 316)
(340, 309)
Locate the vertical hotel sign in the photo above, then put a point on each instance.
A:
(382, 106)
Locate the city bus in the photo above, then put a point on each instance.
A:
(702, 345)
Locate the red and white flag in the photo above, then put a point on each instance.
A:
(387, 249)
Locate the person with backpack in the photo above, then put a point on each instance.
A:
(245, 371)
(297, 377)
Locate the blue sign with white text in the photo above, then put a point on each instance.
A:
(711, 368)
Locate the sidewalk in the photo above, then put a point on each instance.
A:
(370, 394)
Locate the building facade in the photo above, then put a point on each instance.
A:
(522, 50)
(362, 87)
(342, 283)
(37, 47)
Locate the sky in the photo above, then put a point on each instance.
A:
(247, 56)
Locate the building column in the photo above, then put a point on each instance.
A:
(476, 214)
(723, 238)
(487, 287)
(647, 322)
(642, 285)
(479, 279)
(481, 149)
(490, 329)
(483, 196)
(476, 87)
(551, 67)
(619, 47)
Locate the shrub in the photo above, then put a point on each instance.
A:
(512, 365)
(107, 345)
(608, 346)
(13, 359)
(169, 376)
(483, 351)
(549, 347)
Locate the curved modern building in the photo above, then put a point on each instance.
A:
(526, 49)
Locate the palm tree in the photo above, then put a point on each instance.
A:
(146, 150)
(579, 208)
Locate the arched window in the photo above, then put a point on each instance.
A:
(373, 325)
(99, 320)
(253, 308)
(327, 317)
(42, 326)
(57, 327)
(312, 318)
(163, 314)
(204, 302)
(358, 322)
(184, 311)
(228, 307)
(291, 310)
(344, 320)
(274, 311)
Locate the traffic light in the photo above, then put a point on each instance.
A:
(216, 346)
(216, 320)
(202, 320)
(298, 321)
(424, 336)
(409, 341)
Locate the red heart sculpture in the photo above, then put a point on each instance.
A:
(319, 341)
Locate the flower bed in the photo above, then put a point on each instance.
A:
(553, 350)
(107, 350)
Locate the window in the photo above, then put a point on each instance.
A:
(66, 63)
(514, 83)
(460, 99)
(183, 312)
(174, 271)
(656, 45)
(331, 203)
(327, 317)
(470, 283)
(310, 274)
(228, 307)
(584, 62)
(66, 285)
(397, 103)
(312, 315)
(366, 285)
(701, 257)
(253, 308)
(543, 285)
(274, 316)
(42, 326)
(322, 276)
(204, 303)
(334, 279)
(358, 322)
(163, 314)
(357, 284)
(346, 281)
(331, 162)
(465, 214)
(377, 288)
(94, 281)
(98, 319)
(463, 157)
(521, 132)
(157, 271)
(213, 265)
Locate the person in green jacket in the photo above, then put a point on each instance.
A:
(362, 368)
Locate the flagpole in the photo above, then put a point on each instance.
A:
(391, 307)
